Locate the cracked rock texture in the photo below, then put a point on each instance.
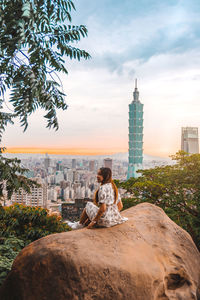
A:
(147, 258)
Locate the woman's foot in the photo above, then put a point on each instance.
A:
(75, 225)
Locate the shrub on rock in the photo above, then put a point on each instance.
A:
(29, 223)
(21, 225)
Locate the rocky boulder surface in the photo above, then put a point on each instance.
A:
(147, 258)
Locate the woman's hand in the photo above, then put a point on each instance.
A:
(91, 225)
(100, 212)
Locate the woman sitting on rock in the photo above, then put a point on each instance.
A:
(107, 204)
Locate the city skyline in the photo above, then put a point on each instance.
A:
(63, 180)
(156, 42)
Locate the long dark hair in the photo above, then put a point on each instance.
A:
(106, 173)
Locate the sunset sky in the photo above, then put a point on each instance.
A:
(157, 42)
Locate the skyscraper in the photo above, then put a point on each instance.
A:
(135, 158)
(108, 163)
(190, 140)
(46, 161)
(73, 163)
(92, 165)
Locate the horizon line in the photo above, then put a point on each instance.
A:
(64, 151)
(72, 151)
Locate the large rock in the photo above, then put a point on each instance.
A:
(147, 258)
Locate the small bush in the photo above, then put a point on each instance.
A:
(128, 202)
(29, 223)
(21, 225)
(9, 248)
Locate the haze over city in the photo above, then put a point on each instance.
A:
(157, 42)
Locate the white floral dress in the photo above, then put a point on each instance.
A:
(112, 215)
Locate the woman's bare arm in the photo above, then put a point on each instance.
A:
(100, 212)
(120, 205)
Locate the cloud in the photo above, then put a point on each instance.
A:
(138, 31)
(157, 41)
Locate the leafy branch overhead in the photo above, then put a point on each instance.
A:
(34, 37)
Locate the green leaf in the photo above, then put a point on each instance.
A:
(34, 38)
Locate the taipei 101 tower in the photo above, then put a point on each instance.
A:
(135, 157)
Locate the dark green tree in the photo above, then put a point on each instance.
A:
(175, 188)
(9, 249)
(20, 225)
(35, 36)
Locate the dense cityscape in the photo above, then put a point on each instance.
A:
(70, 182)
(65, 179)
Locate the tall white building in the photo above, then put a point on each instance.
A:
(59, 176)
(52, 194)
(66, 193)
(51, 179)
(190, 140)
(69, 175)
(37, 197)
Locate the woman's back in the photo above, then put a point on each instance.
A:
(111, 216)
(106, 194)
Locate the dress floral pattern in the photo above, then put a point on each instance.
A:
(112, 215)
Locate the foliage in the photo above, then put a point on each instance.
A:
(20, 225)
(129, 202)
(34, 38)
(175, 188)
(11, 176)
(9, 248)
(29, 223)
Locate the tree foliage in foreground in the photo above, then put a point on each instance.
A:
(29, 223)
(21, 225)
(35, 36)
(9, 249)
(175, 188)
